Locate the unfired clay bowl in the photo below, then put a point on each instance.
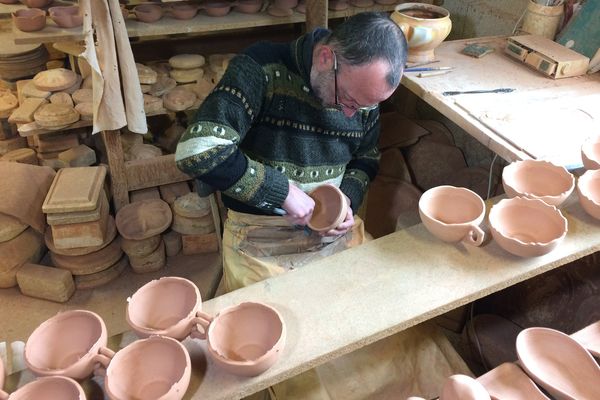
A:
(216, 8)
(66, 17)
(590, 153)
(558, 364)
(155, 368)
(167, 306)
(527, 227)
(148, 12)
(285, 4)
(538, 179)
(183, 11)
(330, 209)
(248, 6)
(588, 189)
(36, 3)
(246, 339)
(463, 387)
(69, 344)
(425, 27)
(508, 381)
(29, 20)
(453, 214)
(49, 387)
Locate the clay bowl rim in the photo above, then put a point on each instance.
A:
(66, 13)
(44, 379)
(247, 363)
(150, 285)
(537, 203)
(586, 156)
(25, 2)
(170, 9)
(34, 13)
(342, 212)
(399, 8)
(431, 192)
(141, 8)
(512, 190)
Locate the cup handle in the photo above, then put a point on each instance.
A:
(475, 236)
(101, 360)
(203, 320)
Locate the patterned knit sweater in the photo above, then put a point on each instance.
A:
(263, 125)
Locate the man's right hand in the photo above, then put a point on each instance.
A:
(298, 205)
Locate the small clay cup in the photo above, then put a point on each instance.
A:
(66, 17)
(148, 12)
(590, 153)
(183, 11)
(155, 368)
(330, 209)
(248, 6)
(246, 339)
(36, 3)
(169, 306)
(49, 387)
(453, 214)
(29, 20)
(588, 189)
(216, 8)
(69, 344)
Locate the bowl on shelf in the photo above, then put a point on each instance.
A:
(285, 4)
(66, 17)
(36, 3)
(588, 189)
(29, 19)
(527, 227)
(216, 8)
(590, 153)
(148, 12)
(538, 179)
(183, 11)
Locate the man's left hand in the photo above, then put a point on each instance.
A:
(345, 226)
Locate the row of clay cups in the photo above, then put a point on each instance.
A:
(154, 12)
(34, 19)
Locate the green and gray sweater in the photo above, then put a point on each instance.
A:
(263, 126)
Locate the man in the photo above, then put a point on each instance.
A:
(284, 119)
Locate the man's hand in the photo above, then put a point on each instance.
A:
(298, 205)
(345, 226)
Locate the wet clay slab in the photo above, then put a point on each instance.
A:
(75, 189)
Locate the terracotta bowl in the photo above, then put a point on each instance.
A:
(66, 17)
(155, 368)
(69, 344)
(216, 8)
(538, 179)
(463, 387)
(148, 12)
(248, 6)
(588, 189)
(590, 153)
(285, 4)
(330, 210)
(527, 227)
(246, 339)
(183, 11)
(425, 27)
(453, 214)
(49, 387)
(166, 307)
(36, 3)
(558, 364)
(29, 20)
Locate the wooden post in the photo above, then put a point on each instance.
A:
(316, 14)
(116, 164)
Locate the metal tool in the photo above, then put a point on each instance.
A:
(501, 90)
(433, 73)
(423, 69)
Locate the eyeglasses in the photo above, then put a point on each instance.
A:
(338, 104)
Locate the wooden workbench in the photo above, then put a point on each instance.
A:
(542, 119)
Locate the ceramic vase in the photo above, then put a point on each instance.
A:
(66, 17)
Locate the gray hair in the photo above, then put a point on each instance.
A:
(370, 36)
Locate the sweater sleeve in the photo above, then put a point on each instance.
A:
(209, 148)
(363, 167)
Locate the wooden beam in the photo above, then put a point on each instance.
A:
(116, 165)
(155, 171)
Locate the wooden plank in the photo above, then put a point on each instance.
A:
(34, 129)
(153, 172)
(50, 34)
(116, 165)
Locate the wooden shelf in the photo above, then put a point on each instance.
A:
(50, 34)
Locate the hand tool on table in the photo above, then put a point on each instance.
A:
(421, 64)
(423, 69)
(433, 73)
(500, 90)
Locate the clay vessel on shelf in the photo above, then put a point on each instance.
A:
(36, 3)
(285, 4)
(246, 339)
(589, 337)
(558, 364)
(29, 20)
(216, 8)
(248, 6)
(425, 27)
(155, 368)
(508, 381)
(538, 179)
(590, 153)
(588, 190)
(69, 344)
(279, 12)
(453, 214)
(148, 12)
(166, 307)
(66, 17)
(49, 387)
(183, 11)
(527, 227)
(330, 209)
(463, 387)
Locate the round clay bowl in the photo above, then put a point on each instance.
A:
(330, 208)
(183, 11)
(248, 6)
(141, 219)
(462, 387)
(50, 387)
(588, 189)
(217, 8)
(29, 20)
(66, 17)
(537, 179)
(451, 213)
(590, 153)
(425, 27)
(246, 339)
(155, 368)
(166, 307)
(527, 227)
(558, 364)
(148, 12)
(36, 3)
(66, 344)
